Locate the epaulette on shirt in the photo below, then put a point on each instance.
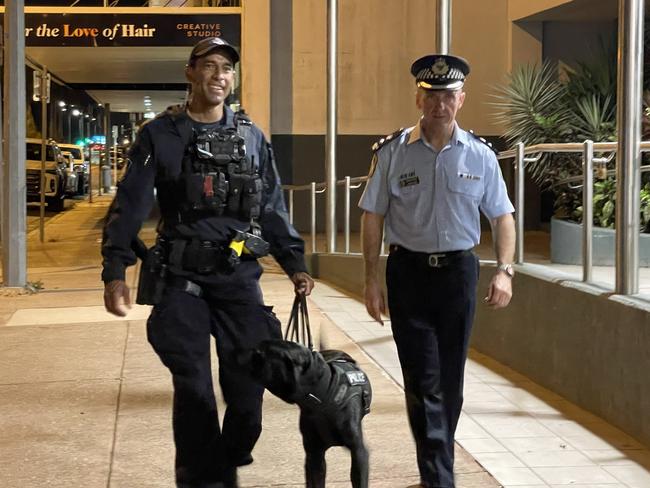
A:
(384, 140)
(488, 144)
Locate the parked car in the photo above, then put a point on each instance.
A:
(76, 151)
(56, 174)
(78, 178)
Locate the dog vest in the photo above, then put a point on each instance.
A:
(344, 382)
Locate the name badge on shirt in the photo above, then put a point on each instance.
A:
(469, 176)
(408, 179)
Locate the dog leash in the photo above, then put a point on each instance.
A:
(298, 328)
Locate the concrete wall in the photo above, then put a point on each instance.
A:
(569, 42)
(256, 62)
(519, 9)
(575, 340)
(378, 41)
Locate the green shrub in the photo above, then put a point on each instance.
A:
(543, 104)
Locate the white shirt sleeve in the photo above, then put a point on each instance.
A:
(375, 198)
(495, 200)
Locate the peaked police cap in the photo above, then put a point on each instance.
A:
(440, 72)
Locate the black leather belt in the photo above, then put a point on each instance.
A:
(434, 260)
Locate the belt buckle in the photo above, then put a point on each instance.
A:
(435, 260)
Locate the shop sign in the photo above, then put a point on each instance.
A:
(146, 29)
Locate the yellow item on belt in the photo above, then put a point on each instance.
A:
(237, 246)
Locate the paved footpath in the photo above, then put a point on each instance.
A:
(85, 403)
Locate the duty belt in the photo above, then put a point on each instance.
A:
(434, 260)
(197, 256)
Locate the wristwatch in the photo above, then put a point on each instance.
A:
(507, 269)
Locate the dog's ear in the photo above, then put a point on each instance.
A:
(304, 360)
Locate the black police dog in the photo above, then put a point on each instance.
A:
(333, 395)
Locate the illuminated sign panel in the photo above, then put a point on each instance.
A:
(111, 30)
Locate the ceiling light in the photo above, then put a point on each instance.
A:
(76, 113)
(61, 103)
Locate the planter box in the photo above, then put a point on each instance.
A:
(566, 245)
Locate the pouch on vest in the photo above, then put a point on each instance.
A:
(193, 186)
(252, 198)
(215, 191)
(234, 196)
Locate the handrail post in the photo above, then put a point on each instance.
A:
(628, 182)
(587, 209)
(444, 26)
(519, 203)
(330, 137)
(347, 215)
(291, 206)
(313, 217)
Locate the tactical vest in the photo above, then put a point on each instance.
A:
(219, 176)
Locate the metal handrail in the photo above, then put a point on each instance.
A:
(316, 188)
(521, 155)
(610, 172)
(568, 147)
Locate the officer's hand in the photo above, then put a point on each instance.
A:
(114, 291)
(500, 291)
(375, 303)
(303, 283)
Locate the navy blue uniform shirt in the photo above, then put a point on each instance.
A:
(155, 161)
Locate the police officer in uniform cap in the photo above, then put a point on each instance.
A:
(427, 184)
(221, 207)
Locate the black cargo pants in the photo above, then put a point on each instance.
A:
(179, 329)
(432, 310)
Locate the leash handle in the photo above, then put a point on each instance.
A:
(298, 328)
(305, 320)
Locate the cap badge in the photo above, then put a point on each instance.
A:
(440, 67)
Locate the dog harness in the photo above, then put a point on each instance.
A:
(341, 382)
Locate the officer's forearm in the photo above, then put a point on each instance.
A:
(503, 228)
(372, 226)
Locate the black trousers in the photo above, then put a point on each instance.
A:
(179, 329)
(432, 310)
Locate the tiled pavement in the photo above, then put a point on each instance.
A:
(521, 433)
(85, 403)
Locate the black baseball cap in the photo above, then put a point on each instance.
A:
(205, 46)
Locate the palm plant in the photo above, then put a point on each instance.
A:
(541, 104)
(531, 107)
(595, 118)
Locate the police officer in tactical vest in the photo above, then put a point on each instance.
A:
(221, 208)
